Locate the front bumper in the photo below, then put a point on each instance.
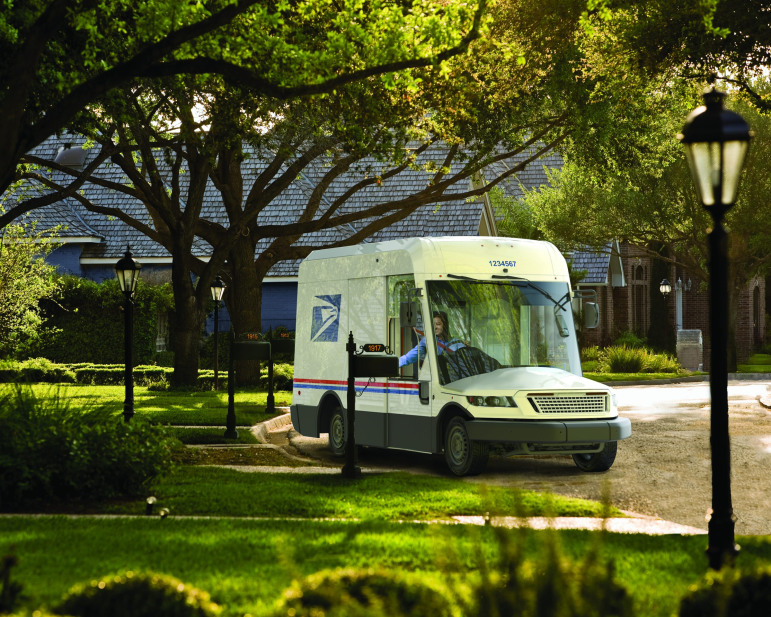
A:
(551, 432)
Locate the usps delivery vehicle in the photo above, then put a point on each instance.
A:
(489, 361)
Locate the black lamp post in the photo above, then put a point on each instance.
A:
(127, 270)
(665, 288)
(217, 291)
(716, 142)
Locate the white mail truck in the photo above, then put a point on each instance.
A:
(489, 361)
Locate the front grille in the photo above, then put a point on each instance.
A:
(569, 404)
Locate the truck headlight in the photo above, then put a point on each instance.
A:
(491, 401)
(614, 400)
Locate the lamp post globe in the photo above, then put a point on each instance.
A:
(127, 271)
(217, 291)
(716, 141)
(665, 288)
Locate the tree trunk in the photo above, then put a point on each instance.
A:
(245, 303)
(188, 324)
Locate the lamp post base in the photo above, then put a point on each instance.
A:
(128, 412)
(722, 549)
(351, 471)
(231, 434)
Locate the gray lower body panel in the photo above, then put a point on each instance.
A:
(409, 432)
(370, 428)
(552, 431)
(305, 419)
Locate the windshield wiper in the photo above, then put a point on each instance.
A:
(526, 283)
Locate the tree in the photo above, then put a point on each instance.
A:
(686, 39)
(658, 210)
(62, 55)
(25, 279)
(515, 94)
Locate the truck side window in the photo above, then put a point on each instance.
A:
(407, 342)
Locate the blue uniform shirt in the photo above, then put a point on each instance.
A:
(419, 351)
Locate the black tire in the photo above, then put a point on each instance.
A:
(337, 432)
(464, 457)
(600, 461)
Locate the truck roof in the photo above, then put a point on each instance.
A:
(477, 255)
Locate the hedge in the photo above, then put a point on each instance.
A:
(84, 322)
(157, 377)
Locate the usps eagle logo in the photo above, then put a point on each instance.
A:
(326, 319)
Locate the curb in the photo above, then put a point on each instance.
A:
(261, 430)
(694, 379)
(658, 382)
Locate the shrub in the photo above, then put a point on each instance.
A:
(84, 321)
(589, 367)
(50, 451)
(112, 375)
(630, 339)
(137, 595)
(283, 374)
(552, 586)
(356, 593)
(730, 593)
(35, 370)
(622, 360)
(661, 363)
(589, 354)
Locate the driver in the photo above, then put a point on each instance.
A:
(444, 342)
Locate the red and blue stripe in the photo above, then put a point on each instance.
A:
(374, 387)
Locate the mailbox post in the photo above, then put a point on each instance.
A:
(358, 366)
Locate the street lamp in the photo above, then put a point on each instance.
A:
(665, 288)
(217, 291)
(127, 270)
(716, 142)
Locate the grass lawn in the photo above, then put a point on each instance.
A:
(610, 377)
(204, 491)
(172, 407)
(245, 565)
(759, 363)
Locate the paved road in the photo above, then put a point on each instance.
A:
(662, 470)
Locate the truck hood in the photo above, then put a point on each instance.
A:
(523, 378)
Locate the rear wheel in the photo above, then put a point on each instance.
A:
(599, 461)
(464, 457)
(337, 432)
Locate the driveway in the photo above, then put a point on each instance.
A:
(662, 470)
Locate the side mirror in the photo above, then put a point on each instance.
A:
(591, 315)
(408, 314)
(562, 326)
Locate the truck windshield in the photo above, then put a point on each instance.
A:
(483, 326)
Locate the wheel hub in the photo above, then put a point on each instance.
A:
(337, 432)
(458, 446)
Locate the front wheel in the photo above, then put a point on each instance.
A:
(337, 432)
(599, 461)
(463, 456)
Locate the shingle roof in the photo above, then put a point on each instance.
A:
(452, 218)
(595, 262)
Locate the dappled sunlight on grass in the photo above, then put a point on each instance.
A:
(171, 407)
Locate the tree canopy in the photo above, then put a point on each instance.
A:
(59, 56)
